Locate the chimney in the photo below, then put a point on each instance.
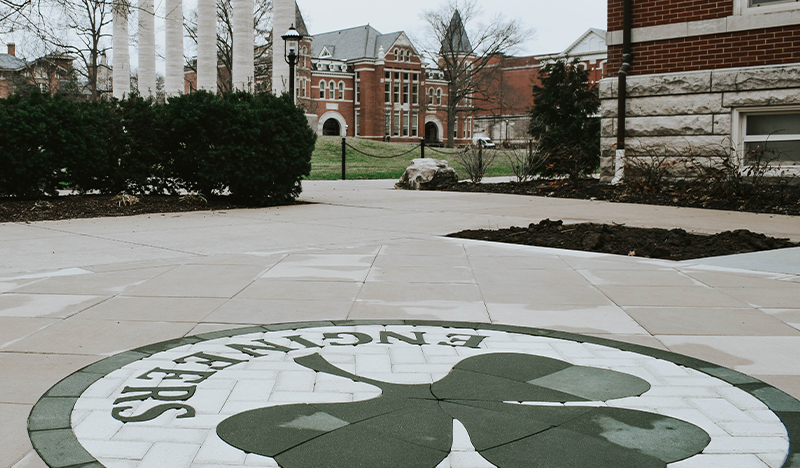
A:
(12, 49)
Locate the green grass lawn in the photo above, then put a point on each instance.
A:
(326, 162)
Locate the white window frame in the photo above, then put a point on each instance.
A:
(740, 137)
(358, 123)
(742, 7)
(332, 90)
(340, 91)
(323, 86)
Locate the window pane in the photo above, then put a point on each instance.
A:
(785, 152)
(396, 126)
(775, 124)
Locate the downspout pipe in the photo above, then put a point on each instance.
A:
(622, 92)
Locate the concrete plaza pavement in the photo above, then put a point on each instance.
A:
(76, 291)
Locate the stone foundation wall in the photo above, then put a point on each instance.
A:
(678, 111)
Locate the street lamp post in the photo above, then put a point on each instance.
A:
(291, 43)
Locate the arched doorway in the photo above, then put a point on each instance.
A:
(331, 127)
(431, 133)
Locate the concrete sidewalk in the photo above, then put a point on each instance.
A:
(76, 291)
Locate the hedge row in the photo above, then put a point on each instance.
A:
(257, 147)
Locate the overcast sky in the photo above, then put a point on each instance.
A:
(557, 24)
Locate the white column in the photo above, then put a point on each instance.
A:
(174, 79)
(122, 58)
(283, 16)
(243, 45)
(207, 45)
(147, 49)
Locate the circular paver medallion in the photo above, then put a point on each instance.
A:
(410, 394)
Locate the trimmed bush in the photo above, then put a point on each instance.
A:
(256, 147)
(28, 167)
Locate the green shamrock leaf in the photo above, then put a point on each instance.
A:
(412, 425)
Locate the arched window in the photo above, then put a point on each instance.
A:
(439, 96)
(341, 90)
(431, 92)
(322, 86)
(332, 90)
(397, 54)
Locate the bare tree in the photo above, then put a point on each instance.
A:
(468, 57)
(68, 28)
(262, 22)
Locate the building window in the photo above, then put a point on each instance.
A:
(358, 123)
(438, 96)
(397, 90)
(331, 90)
(322, 86)
(406, 119)
(405, 93)
(358, 87)
(303, 84)
(431, 92)
(341, 90)
(757, 3)
(414, 123)
(387, 91)
(455, 128)
(773, 137)
(397, 54)
(415, 94)
(468, 128)
(396, 126)
(387, 122)
(763, 6)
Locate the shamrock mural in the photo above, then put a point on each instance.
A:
(412, 425)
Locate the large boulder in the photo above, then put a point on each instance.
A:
(427, 174)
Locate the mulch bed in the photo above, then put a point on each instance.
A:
(669, 244)
(774, 199)
(94, 206)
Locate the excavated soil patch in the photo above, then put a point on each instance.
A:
(669, 244)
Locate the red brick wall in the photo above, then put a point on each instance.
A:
(655, 12)
(772, 46)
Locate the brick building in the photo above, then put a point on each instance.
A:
(47, 72)
(706, 74)
(505, 117)
(362, 83)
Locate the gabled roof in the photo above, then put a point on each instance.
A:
(593, 40)
(353, 43)
(10, 62)
(455, 37)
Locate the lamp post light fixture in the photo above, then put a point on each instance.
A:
(291, 44)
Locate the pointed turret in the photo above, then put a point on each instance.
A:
(455, 40)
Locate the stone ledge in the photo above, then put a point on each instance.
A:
(756, 78)
(761, 98)
(670, 126)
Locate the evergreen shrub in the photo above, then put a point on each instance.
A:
(257, 148)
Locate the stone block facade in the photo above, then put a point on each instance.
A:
(708, 76)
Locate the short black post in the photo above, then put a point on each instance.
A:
(422, 147)
(344, 152)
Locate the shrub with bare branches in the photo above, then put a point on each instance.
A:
(647, 167)
(476, 161)
(525, 162)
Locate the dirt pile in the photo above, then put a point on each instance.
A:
(669, 244)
